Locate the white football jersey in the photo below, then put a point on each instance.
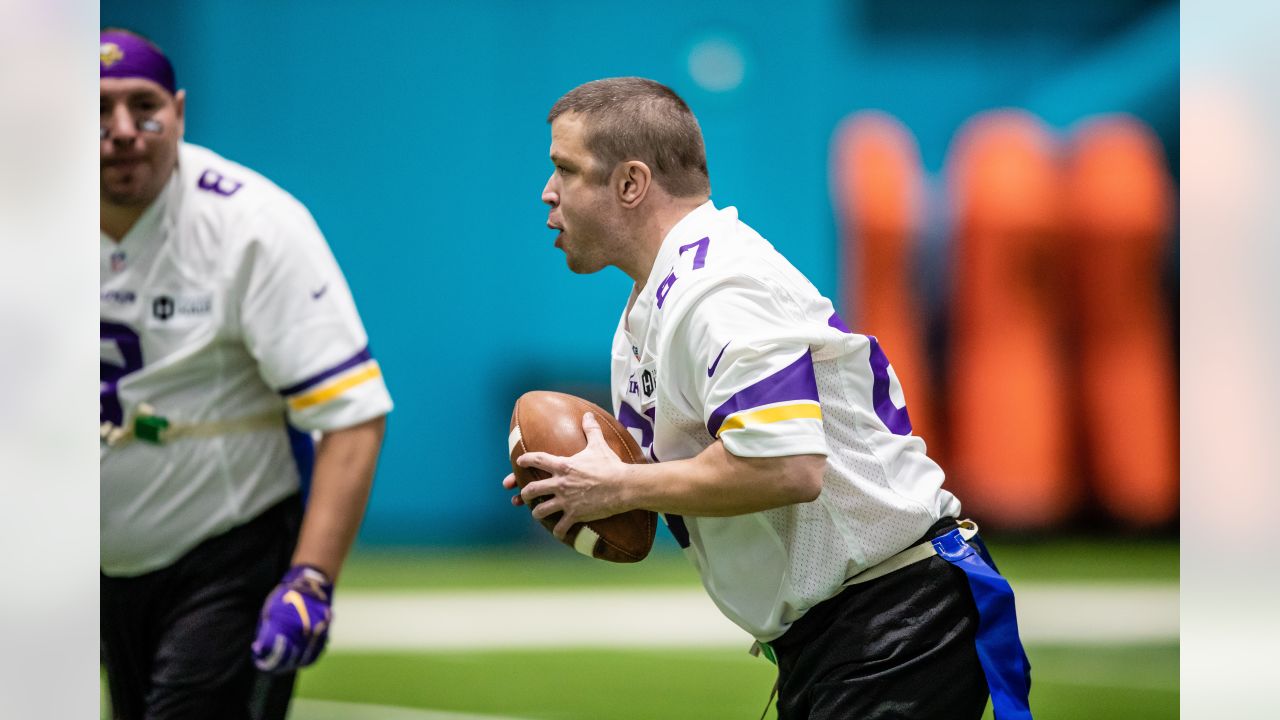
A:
(222, 303)
(728, 340)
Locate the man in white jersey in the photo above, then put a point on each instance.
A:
(225, 318)
(783, 460)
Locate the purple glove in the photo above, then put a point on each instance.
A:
(295, 621)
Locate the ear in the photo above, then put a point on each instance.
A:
(180, 106)
(632, 181)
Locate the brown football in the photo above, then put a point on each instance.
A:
(551, 422)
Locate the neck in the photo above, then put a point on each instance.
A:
(117, 220)
(653, 230)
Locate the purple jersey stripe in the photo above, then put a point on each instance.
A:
(629, 418)
(835, 322)
(354, 360)
(652, 414)
(794, 382)
(894, 417)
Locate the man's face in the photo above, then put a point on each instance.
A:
(582, 209)
(142, 125)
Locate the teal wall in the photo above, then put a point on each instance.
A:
(415, 132)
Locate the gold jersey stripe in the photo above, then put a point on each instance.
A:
(774, 414)
(329, 391)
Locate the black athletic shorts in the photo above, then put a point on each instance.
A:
(175, 641)
(900, 646)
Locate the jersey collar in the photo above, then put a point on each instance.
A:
(681, 234)
(636, 322)
(152, 219)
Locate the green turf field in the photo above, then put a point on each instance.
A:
(1107, 683)
(552, 565)
(1099, 682)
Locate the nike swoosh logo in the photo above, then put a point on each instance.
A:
(712, 370)
(315, 294)
(293, 598)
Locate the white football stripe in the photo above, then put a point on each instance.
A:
(585, 543)
(513, 439)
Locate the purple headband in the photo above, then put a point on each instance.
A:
(122, 55)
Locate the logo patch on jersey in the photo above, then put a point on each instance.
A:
(164, 307)
(119, 297)
(317, 294)
(646, 383)
(117, 261)
(109, 54)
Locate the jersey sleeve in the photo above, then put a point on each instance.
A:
(745, 362)
(300, 323)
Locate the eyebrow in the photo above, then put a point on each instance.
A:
(559, 159)
(132, 95)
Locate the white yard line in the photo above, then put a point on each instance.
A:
(1097, 614)
(308, 709)
(640, 618)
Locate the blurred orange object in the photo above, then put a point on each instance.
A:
(879, 190)
(1120, 200)
(1010, 433)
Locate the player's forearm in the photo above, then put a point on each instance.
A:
(716, 483)
(340, 485)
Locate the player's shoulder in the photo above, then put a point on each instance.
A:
(722, 255)
(217, 185)
(235, 200)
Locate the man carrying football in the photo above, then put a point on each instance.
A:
(783, 459)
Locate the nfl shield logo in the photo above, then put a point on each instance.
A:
(117, 261)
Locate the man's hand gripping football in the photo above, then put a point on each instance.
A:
(585, 487)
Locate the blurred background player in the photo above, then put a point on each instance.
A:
(224, 315)
(784, 459)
